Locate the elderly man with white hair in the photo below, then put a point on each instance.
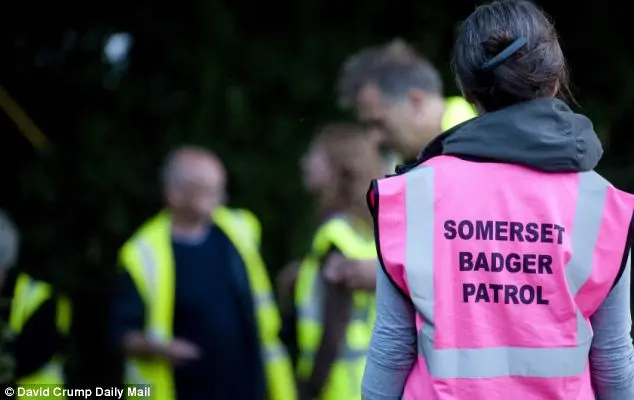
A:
(193, 306)
(38, 318)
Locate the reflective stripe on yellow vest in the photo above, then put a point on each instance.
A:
(28, 296)
(344, 382)
(148, 258)
(457, 111)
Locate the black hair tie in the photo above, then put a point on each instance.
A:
(504, 54)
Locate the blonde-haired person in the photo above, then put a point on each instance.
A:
(334, 321)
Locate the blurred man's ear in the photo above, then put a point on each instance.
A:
(416, 97)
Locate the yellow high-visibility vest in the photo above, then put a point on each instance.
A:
(344, 382)
(28, 296)
(457, 111)
(149, 260)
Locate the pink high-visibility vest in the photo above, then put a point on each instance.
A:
(504, 266)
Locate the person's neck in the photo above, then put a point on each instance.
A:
(187, 228)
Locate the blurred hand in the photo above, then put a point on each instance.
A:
(359, 275)
(336, 268)
(180, 351)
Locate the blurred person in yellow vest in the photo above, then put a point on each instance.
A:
(38, 318)
(334, 322)
(398, 93)
(193, 306)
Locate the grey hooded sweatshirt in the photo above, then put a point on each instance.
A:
(546, 135)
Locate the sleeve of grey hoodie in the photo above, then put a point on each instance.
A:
(612, 354)
(392, 350)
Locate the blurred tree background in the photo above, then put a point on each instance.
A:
(250, 80)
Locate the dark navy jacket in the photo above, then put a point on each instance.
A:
(214, 310)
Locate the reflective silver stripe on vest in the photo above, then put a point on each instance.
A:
(273, 351)
(312, 310)
(263, 299)
(54, 369)
(133, 375)
(497, 361)
(30, 290)
(149, 264)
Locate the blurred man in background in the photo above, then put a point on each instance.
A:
(194, 308)
(399, 95)
(38, 317)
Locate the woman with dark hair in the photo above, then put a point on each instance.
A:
(505, 258)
